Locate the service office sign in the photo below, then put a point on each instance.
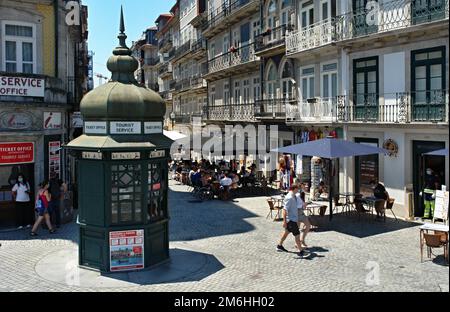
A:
(16, 153)
(22, 86)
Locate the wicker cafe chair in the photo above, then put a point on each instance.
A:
(433, 241)
(273, 207)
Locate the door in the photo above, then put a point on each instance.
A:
(428, 84)
(364, 21)
(366, 168)
(420, 165)
(365, 80)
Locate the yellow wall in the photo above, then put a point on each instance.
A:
(48, 44)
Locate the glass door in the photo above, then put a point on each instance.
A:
(428, 85)
(366, 88)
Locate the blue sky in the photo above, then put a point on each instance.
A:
(103, 25)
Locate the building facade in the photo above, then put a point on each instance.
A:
(374, 72)
(44, 72)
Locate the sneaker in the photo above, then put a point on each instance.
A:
(301, 253)
(281, 248)
(52, 231)
(33, 234)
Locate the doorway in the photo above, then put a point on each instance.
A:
(421, 163)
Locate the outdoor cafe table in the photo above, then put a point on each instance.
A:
(348, 203)
(431, 227)
(371, 201)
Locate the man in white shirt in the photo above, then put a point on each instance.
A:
(226, 181)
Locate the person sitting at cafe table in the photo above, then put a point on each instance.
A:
(380, 193)
(196, 178)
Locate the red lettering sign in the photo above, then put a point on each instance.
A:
(16, 153)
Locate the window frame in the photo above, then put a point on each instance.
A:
(19, 47)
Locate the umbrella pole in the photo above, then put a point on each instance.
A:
(330, 189)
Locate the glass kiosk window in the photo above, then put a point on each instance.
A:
(156, 192)
(126, 194)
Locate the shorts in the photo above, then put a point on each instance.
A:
(292, 227)
(41, 212)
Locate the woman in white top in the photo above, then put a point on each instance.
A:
(302, 217)
(21, 194)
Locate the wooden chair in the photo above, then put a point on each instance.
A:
(433, 241)
(273, 207)
(389, 206)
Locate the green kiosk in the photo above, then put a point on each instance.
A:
(122, 172)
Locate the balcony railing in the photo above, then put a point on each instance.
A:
(235, 57)
(198, 82)
(151, 61)
(198, 45)
(166, 40)
(272, 37)
(186, 118)
(183, 85)
(226, 10)
(166, 95)
(398, 108)
(273, 108)
(314, 36)
(391, 15)
(166, 68)
(183, 49)
(312, 110)
(232, 112)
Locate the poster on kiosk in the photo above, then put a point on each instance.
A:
(126, 250)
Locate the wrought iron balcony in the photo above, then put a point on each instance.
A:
(395, 108)
(236, 57)
(166, 95)
(183, 85)
(183, 49)
(186, 118)
(152, 61)
(393, 15)
(232, 112)
(165, 69)
(197, 83)
(229, 13)
(273, 108)
(314, 36)
(272, 38)
(317, 110)
(165, 43)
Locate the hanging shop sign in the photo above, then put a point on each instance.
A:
(16, 120)
(54, 159)
(52, 121)
(22, 86)
(126, 249)
(16, 153)
(392, 147)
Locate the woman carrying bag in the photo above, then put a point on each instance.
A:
(42, 208)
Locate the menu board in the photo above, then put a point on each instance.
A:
(441, 206)
(368, 172)
(54, 159)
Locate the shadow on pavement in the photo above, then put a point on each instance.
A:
(361, 227)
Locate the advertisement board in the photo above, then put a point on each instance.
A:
(126, 249)
(54, 158)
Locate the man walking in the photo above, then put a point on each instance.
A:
(290, 220)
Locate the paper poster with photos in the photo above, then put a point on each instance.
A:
(54, 159)
(126, 250)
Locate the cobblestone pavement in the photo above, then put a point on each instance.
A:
(345, 255)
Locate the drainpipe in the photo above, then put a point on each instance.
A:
(55, 9)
